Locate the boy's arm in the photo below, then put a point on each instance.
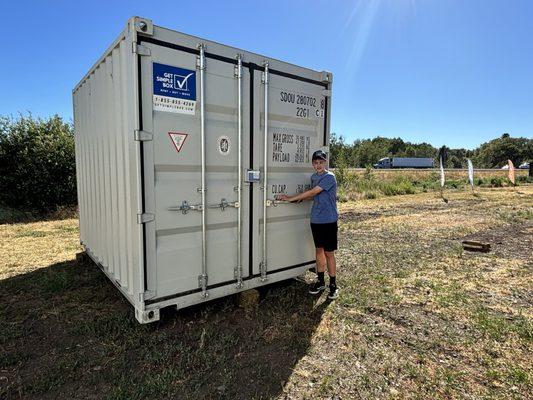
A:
(309, 194)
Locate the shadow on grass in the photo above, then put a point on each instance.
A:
(68, 333)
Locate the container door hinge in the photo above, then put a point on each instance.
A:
(202, 281)
(237, 271)
(326, 93)
(144, 218)
(142, 136)
(140, 50)
(147, 295)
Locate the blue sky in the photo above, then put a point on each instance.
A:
(448, 72)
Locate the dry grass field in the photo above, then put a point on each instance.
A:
(421, 174)
(357, 184)
(418, 317)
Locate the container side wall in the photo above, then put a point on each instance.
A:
(79, 159)
(104, 121)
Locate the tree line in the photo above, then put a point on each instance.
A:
(493, 154)
(38, 168)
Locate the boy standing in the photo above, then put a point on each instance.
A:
(324, 218)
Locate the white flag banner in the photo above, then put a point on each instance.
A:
(470, 172)
(442, 180)
(511, 171)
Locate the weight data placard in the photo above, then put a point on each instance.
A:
(289, 147)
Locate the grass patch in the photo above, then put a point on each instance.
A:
(54, 283)
(499, 326)
(31, 234)
(12, 359)
(449, 294)
(515, 216)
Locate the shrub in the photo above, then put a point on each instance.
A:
(368, 176)
(372, 194)
(408, 188)
(497, 181)
(454, 184)
(391, 189)
(524, 179)
(37, 163)
(342, 197)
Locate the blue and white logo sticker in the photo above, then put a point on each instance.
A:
(174, 89)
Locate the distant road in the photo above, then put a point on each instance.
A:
(430, 169)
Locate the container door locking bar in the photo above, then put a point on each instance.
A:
(202, 279)
(238, 269)
(185, 207)
(263, 266)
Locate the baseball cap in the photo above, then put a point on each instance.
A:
(319, 155)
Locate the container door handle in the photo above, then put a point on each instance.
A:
(185, 207)
(225, 204)
(275, 203)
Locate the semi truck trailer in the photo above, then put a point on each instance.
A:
(405, 162)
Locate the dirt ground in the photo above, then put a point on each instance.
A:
(418, 317)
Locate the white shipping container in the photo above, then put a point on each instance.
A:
(182, 145)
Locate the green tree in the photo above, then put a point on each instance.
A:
(410, 151)
(443, 154)
(425, 150)
(496, 152)
(371, 151)
(37, 163)
(336, 147)
(489, 155)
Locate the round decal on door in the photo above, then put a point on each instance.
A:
(223, 145)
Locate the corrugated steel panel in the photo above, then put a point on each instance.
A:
(106, 163)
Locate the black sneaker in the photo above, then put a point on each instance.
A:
(317, 287)
(333, 292)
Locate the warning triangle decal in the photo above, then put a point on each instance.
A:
(178, 139)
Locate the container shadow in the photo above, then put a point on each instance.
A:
(69, 333)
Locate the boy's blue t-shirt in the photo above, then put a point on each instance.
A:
(324, 208)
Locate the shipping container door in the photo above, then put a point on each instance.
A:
(171, 96)
(296, 128)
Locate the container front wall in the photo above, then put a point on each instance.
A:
(170, 95)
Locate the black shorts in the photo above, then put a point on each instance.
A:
(325, 235)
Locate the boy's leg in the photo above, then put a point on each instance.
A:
(320, 259)
(321, 262)
(330, 260)
(333, 289)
